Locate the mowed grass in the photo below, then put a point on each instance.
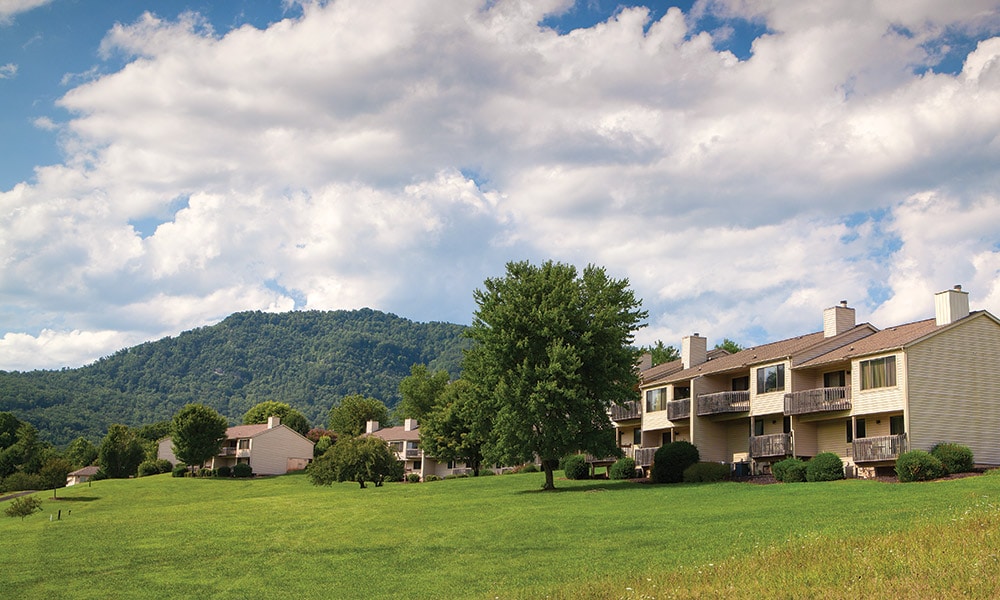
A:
(499, 537)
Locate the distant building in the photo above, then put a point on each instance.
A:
(81, 475)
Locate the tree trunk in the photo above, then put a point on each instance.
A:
(549, 466)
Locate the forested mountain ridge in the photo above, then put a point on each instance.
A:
(309, 359)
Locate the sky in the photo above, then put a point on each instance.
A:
(744, 165)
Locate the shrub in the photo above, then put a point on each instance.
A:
(575, 467)
(179, 470)
(918, 465)
(23, 507)
(148, 467)
(525, 468)
(205, 472)
(670, 461)
(457, 476)
(486, 472)
(790, 470)
(224, 471)
(242, 470)
(18, 481)
(706, 472)
(164, 465)
(413, 478)
(431, 478)
(955, 457)
(624, 468)
(825, 466)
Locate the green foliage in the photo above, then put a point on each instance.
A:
(290, 417)
(23, 507)
(242, 470)
(420, 391)
(349, 416)
(224, 471)
(53, 473)
(670, 461)
(81, 453)
(412, 478)
(918, 465)
(825, 466)
(197, 433)
(431, 477)
(322, 446)
(525, 468)
(729, 346)
(147, 468)
(179, 470)
(624, 468)
(486, 473)
(358, 459)
(120, 452)
(661, 353)
(575, 467)
(552, 350)
(309, 359)
(706, 472)
(19, 481)
(457, 427)
(956, 458)
(25, 453)
(790, 470)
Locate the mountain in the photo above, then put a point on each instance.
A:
(309, 359)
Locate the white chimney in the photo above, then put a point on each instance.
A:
(694, 350)
(837, 319)
(371, 426)
(273, 422)
(409, 424)
(951, 305)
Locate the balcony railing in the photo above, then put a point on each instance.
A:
(412, 453)
(775, 444)
(644, 456)
(679, 409)
(723, 402)
(818, 400)
(875, 449)
(227, 451)
(626, 411)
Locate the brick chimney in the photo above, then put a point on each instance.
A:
(694, 350)
(837, 319)
(273, 422)
(371, 427)
(409, 424)
(951, 305)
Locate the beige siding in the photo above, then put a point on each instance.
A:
(954, 394)
(877, 400)
(771, 402)
(270, 450)
(805, 437)
(711, 439)
(652, 421)
(165, 449)
(831, 436)
(738, 440)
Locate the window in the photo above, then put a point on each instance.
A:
(396, 446)
(416, 465)
(878, 373)
(896, 425)
(680, 393)
(834, 379)
(637, 437)
(666, 438)
(770, 379)
(859, 429)
(786, 425)
(758, 427)
(850, 432)
(741, 384)
(656, 399)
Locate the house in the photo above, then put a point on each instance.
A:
(405, 442)
(269, 448)
(81, 475)
(863, 393)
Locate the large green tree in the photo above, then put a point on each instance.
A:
(357, 459)
(120, 452)
(457, 427)
(290, 417)
(197, 433)
(349, 416)
(661, 353)
(552, 350)
(81, 452)
(420, 391)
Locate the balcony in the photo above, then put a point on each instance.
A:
(413, 453)
(679, 409)
(876, 449)
(644, 457)
(626, 412)
(227, 451)
(767, 446)
(723, 402)
(818, 400)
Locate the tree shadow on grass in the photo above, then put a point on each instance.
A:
(596, 486)
(76, 499)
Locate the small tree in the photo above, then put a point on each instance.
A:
(358, 459)
(729, 346)
(671, 460)
(120, 452)
(457, 427)
(23, 507)
(956, 458)
(197, 433)
(54, 472)
(349, 416)
(825, 466)
(290, 417)
(661, 353)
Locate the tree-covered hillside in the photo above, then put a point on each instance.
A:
(308, 359)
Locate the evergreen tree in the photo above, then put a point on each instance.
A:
(120, 452)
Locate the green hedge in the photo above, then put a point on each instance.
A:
(575, 467)
(706, 472)
(242, 470)
(825, 466)
(790, 470)
(918, 465)
(955, 457)
(671, 460)
(624, 468)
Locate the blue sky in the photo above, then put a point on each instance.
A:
(745, 165)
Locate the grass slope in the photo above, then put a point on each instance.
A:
(497, 537)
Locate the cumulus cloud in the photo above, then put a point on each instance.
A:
(8, 71)
(393, 155)
(10, 8)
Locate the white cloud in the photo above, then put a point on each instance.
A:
(8, 71)
(10, 8)
(394, 155)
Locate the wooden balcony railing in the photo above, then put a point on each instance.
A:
(626, 411)
(874, 449)
(723, 402)
(644, 456)
(775, 444)
(412, 453)
(679, 409)
(818, 400)
(227, 451)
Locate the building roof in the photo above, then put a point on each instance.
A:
(245, 431)
(664, 370)
(85, 472)
(396, 434)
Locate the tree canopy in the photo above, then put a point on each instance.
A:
(358, 459)
(120, 452)
(290, 417)
(420, 391)
(348, 417)
(457, 427)
(552, 350)
(729, 346)
(197, 433)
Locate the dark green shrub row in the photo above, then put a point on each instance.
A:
(790, 470)
(671, 460)
(456, 476)
(525, 468)
(224, 471)
(918, 465)
(624, 468)
(179, 470)
(825, 466)
(955, 457)
(413, 478)
(706, 472)
(242, 470)
(431, 478)
(575, 467)
(486, 472)
(154, 467)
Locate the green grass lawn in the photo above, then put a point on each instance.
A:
(498, 537)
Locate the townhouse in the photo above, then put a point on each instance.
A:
(404, 440)
(863, 393)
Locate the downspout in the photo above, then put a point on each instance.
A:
(906, 400)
